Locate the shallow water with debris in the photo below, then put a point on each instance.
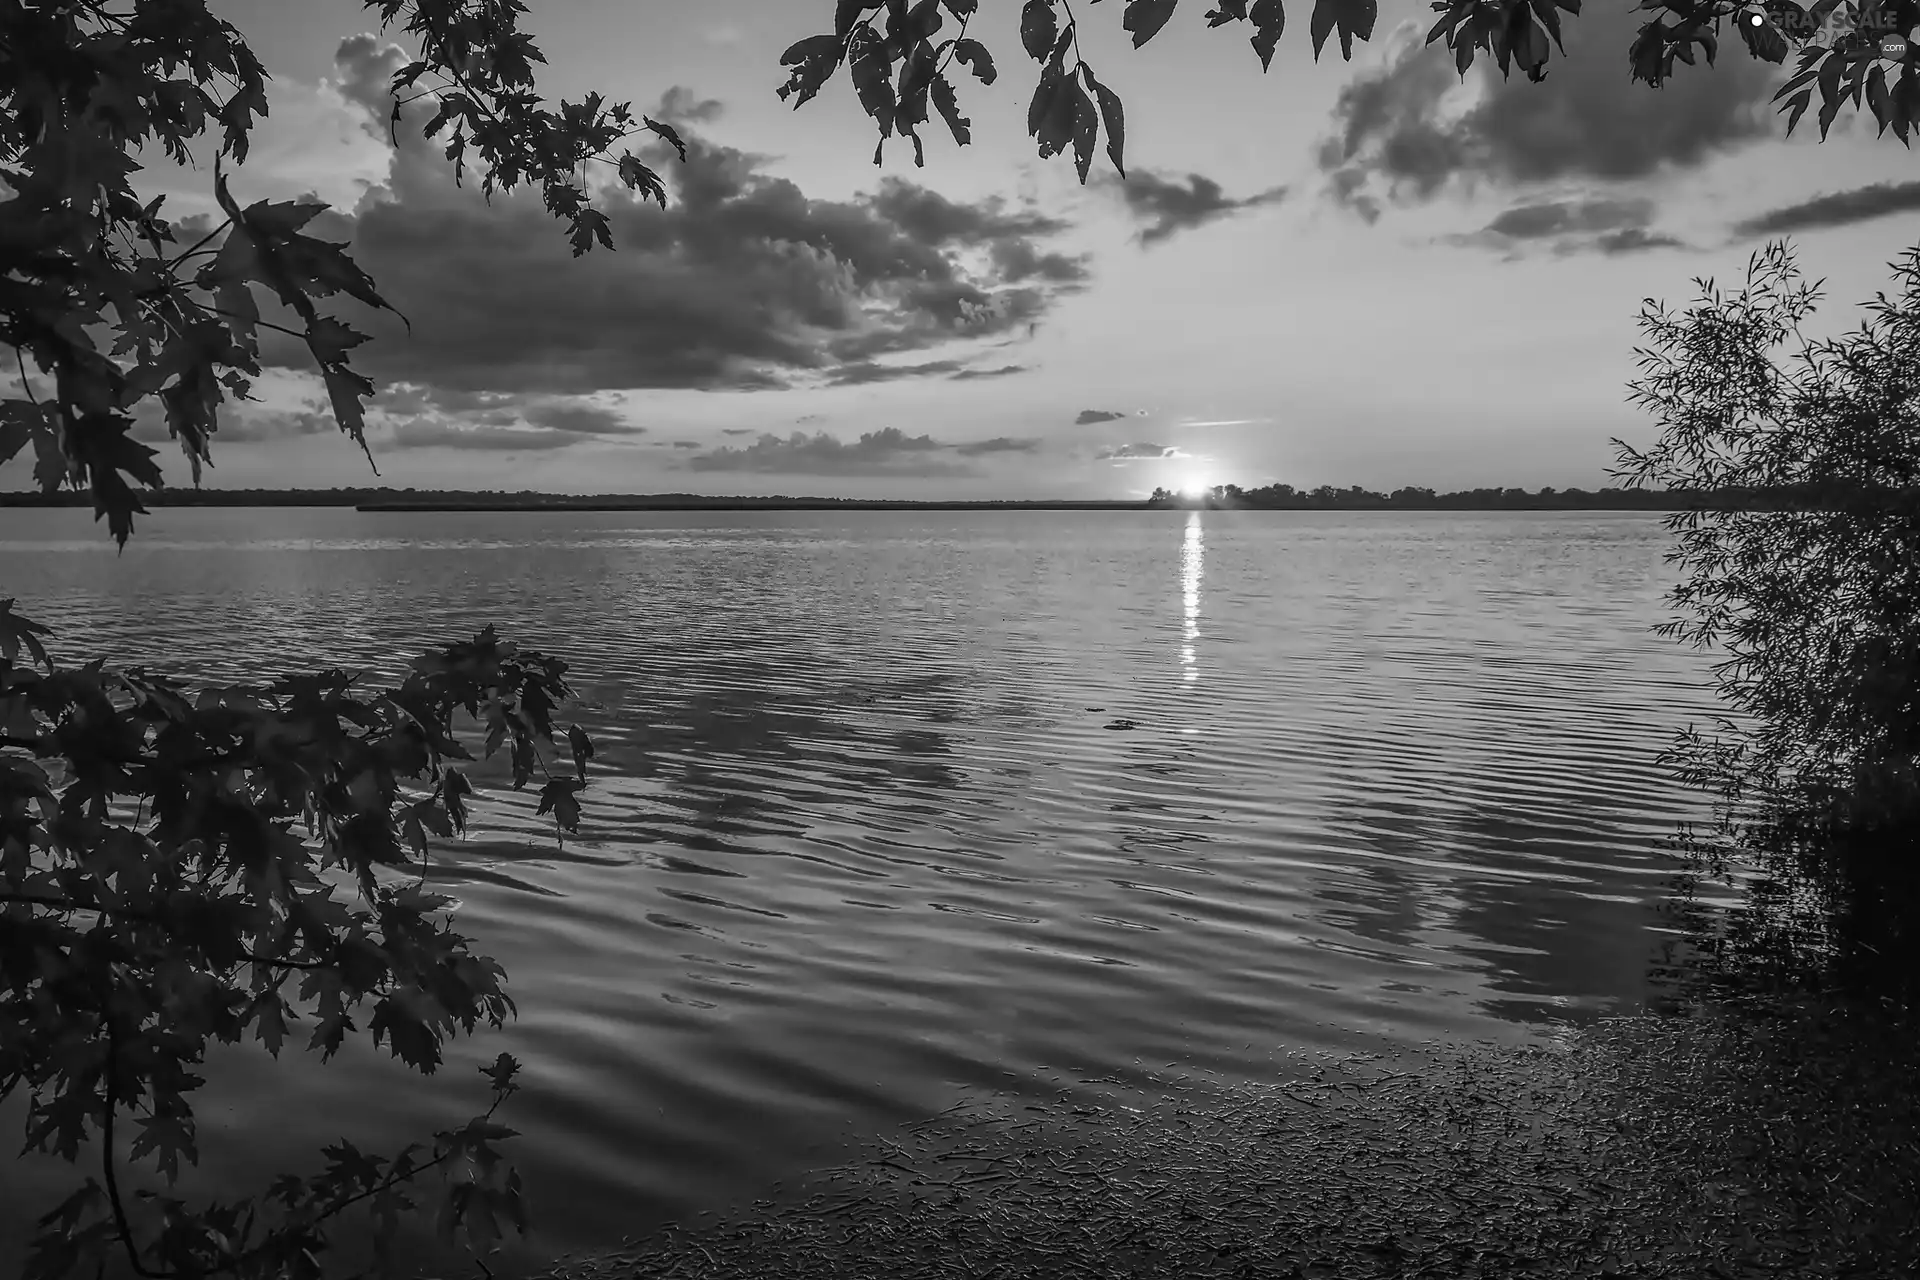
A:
(1746, 1140)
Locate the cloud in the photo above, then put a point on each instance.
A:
(1021, 259)
(747, 431)
(686, 444)
(1004, 371)
(679, 105)
(1135, 452)
(244, 424)
(1602, 226)
(862, 372)
(1555, 217)
(1090, 416)
(581, 419)
(1167, 207)
(744, 282)
(1633, 240)
(1835, 209)
(436, 433)
(885, 452)
(276, 424)
(932, 219)
(999, 444)
(1401, 130)
(413, 400)
(427, 416)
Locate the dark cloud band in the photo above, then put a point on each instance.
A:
(1398, 134)
(1836, 209)
(744, 282)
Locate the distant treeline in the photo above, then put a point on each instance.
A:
(1272, 497)
(1284, 497)
(384, 499)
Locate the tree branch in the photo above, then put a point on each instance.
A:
(264, 324)
(106, 1153)
(67, 904)
(25, 386)
(392, 1180)
(188, 253)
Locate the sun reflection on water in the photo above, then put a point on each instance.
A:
(1190, 569)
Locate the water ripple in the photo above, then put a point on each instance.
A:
(890, 803)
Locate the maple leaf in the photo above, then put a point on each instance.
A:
(17, 632)
(557, 798)
(501, 1072)
(582, 749)
(167, 1138)
(271, 1024)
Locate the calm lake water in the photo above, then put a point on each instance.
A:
(893, 806)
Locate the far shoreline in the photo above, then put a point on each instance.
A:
(1225, 498)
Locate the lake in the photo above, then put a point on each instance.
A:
(894, 806)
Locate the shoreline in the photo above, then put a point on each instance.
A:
(1731, 1143)
(885, 505)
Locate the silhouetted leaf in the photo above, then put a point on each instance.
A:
(949, 107)
(167, 1139)
(667, 134)
(1269, 18)
(1115, 117)
(847, 12)
(814, 60)
(638, 177)
(589, 225)
(17, 632)
(18, 422)
(1038, 29)
(1763, 40)
(557, 798)
(971, 53)
(501, 1071)
(869, 66)
(582, 748)
(1144, 18)
(1086, 131)
(1879, 101)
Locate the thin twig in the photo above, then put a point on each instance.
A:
(106, 1148)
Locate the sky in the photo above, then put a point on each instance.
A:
(1374, 273)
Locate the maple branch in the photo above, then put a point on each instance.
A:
(281, 962)
(106, 1154)
(67, 904)
(25, 386)
(264, 324)
(394, 1178)
(188, 253)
